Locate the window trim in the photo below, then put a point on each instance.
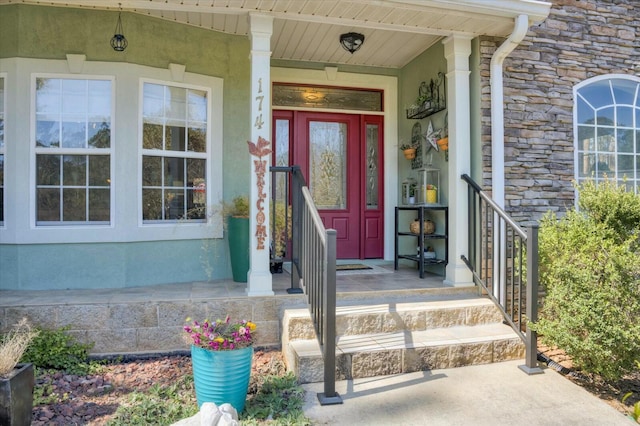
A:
(20, 174)
(35, 151)
(3, 150)
(207, 156)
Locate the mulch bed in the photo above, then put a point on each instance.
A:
(610, 392)
(94, 399)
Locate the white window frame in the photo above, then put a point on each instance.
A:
(166, 153)
(20, 178)
(634, 179)
(73, 151)
(3, 149)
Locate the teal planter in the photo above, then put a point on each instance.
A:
(222, 376)
(238, 236)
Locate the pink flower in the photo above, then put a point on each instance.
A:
(220, 335)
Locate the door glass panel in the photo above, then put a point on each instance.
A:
(328, 164)
(288, 95)
(281, 157)
(372, 166)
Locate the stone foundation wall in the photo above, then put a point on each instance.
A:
(150, 327)
(580, 39)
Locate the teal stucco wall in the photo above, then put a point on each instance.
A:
(53, 32)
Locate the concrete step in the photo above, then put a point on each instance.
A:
(394, 317)
(402, 338)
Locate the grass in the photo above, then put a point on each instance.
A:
(274, 398)
(278, 401)
(158, 405)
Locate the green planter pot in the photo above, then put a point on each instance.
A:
(16, 396)
(222, 376)
(238, 236)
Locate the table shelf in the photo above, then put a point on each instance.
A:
(422, 237)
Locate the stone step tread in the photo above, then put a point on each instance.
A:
(431, 305)
(458, 335)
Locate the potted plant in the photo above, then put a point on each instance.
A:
(412, 192)
(409, 151)
(237, 214)
(16, 380)
(281, 235)
(221, 356)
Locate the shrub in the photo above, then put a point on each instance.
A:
(58, 350)
(590, 268)
(613, 206)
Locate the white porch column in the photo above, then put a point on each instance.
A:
(259, 280)
(456, 51)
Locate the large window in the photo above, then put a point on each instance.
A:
(73, 151)
(174, 153)
(607, 117)
(1, 150)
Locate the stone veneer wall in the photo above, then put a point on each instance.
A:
(144, 325)
(580, 39)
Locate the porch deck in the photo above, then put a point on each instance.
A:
(349, 283)
(150, 319)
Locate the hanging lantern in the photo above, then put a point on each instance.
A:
(118, 41)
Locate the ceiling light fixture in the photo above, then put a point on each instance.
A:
(118, 41)
(351, 41)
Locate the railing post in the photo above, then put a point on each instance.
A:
(330, 396)
(531, 337)
(296, 229)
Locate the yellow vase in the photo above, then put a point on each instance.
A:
(432, 196)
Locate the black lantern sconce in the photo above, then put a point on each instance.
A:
(118, 41)
(351, 41)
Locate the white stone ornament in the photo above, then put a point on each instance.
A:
(212, 415)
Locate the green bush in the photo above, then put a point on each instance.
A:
(590, 268)
(58, 350)
(613, 206)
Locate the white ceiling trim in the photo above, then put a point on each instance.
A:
(473, 9)
(396, 31)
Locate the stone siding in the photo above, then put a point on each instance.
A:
(140, 327)
(579, 40)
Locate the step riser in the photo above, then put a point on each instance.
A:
(310, 369)
(301, 328)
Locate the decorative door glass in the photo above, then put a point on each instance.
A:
(328, 164)
(372, 166)
(282, 135)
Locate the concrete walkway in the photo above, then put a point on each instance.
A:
(494, 394)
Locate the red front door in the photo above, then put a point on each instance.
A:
(339, 155)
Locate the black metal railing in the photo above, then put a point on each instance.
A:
(313, 269)
(504, 262)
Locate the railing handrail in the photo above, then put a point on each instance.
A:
(498, 210)
(313, 269)
(490, 231)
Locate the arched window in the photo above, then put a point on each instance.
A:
(607, 129)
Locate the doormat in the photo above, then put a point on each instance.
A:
(352, 267)
(360, 270)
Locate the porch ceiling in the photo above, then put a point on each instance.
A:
(396, 31)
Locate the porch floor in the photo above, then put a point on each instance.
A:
(383, 278)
